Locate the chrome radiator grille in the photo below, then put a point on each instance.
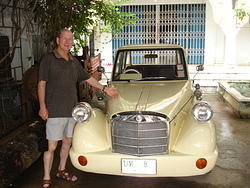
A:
(140, 135)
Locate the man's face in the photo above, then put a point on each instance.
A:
(65, 41)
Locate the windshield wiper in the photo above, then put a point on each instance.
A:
(155, 78)
(132, 80)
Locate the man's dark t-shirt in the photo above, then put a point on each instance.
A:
(61, 78)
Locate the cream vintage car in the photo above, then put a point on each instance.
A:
(159, 126)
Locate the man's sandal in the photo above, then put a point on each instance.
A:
(46, 183)
(62, 174)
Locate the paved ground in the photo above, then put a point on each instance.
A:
(232, 168)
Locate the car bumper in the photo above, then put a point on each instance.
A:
(169, 165)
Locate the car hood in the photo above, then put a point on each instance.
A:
(163, 97)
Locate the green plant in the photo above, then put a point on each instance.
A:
(81, 16)
(242, 87)
(241, 13)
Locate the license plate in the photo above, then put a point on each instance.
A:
(138, 166)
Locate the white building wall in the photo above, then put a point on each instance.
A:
(217, 43)
(214, 40)
(162, 2)
(230, 37)
(103, 45)
(243, 45)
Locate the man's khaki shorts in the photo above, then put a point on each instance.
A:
(57, 128)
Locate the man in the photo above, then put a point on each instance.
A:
(57, 93)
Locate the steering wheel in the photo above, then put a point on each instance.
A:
(131, 70)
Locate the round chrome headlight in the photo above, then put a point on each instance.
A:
(202, 111)
(81, 112)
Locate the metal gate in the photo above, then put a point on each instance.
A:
(182, 24)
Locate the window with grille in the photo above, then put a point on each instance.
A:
(182, 24)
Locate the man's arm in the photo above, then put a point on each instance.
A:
(43, 112)
(109, 90)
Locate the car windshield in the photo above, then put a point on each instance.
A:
(147, 64)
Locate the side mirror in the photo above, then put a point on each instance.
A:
(101, 69)
(200, 67)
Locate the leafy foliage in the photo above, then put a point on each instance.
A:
(241, 13)
(81, 16)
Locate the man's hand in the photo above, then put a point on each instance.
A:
(111, 91)
(43, 113)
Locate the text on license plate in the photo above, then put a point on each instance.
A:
(138, 166)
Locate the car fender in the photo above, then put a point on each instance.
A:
(91, 135)
(196, 137)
